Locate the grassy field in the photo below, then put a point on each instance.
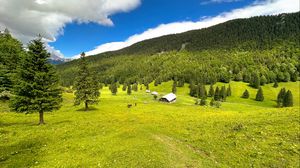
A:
(242, 133)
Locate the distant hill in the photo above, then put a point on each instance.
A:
(234, 50)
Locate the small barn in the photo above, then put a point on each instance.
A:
(169, 98)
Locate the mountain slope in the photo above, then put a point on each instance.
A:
(267, 46)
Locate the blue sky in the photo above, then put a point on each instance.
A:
(70, 27)
(151, 13)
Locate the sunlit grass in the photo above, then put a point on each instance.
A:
(242, 133)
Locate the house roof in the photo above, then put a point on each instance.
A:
(170, 97)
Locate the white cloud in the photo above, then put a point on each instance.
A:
(218, 1)
(28, 18)
(267, 7)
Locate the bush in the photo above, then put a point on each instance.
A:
(259, 95)
(5, 95)
(202, 102)
(246, 94)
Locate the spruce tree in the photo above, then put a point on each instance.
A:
(124, 87)
(86, 87)
(129, 89)
(288, 99)
(217, 94)
(193, 90)
(174, 87)
(275, 84)
(280, 97)
(246, 94)
(229, 91)
(36, 87)
(259, 95)
(114, 88)
(255, 80)
(211, 92)
(135, 87)
(212, 102)
(223, 93)
(202, 93)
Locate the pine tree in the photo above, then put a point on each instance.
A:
(174, 87)
(193, 90)
(280, 97)
(202, 93)
(36, 86)
(217, 94)
(275, 84)
(135, 87)
(246, 94)
(259, 95)
(255, 80)
(86, 87)
(114, 88)
(212, 102)
(263, 80)
(223, 93)
(229, 91)
(129, 89)
(202, 102)
(211, 92)
(124, 87)
(288, 99)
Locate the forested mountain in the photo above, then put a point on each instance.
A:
(265, 46)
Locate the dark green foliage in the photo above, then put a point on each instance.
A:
(114, 88)
(259, 95)
(36, 86)
(255, 80)
(223, 93)
(147, 86)
(246, 94)
(261, 48)
(202, 102)
(135, 87)
(193, 90)
(174, 87)
(180, 83)
(155, 97)
(211, 92)
(217, 96)
(86, 86)
(288, 99)
(218, 104)
(229, 91)
(202, 93)
(294, 76)
(280, 97)
(263, 80)
(11, 52)
(129, 89)
(275, 84)
(212, 102)
(124, 87)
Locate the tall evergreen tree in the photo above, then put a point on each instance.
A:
(135, 87)
(259, 95)
(275, 84)
(211, 92)
(129, 89)
(280, 97)
(255, 80)
(193, 90)
(86, 87)
(288, 99)
(229, 91)
(223, 93)
(114, 88)
(217, 94)
(36, 87)
(174, 87)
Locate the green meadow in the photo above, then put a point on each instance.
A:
(241, 133)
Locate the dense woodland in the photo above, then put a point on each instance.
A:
(258, 50)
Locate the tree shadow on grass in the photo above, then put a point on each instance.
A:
(90, 109)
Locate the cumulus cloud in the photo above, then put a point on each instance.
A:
(266, 7)
(28, 18)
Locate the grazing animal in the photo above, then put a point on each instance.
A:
(129, 105)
